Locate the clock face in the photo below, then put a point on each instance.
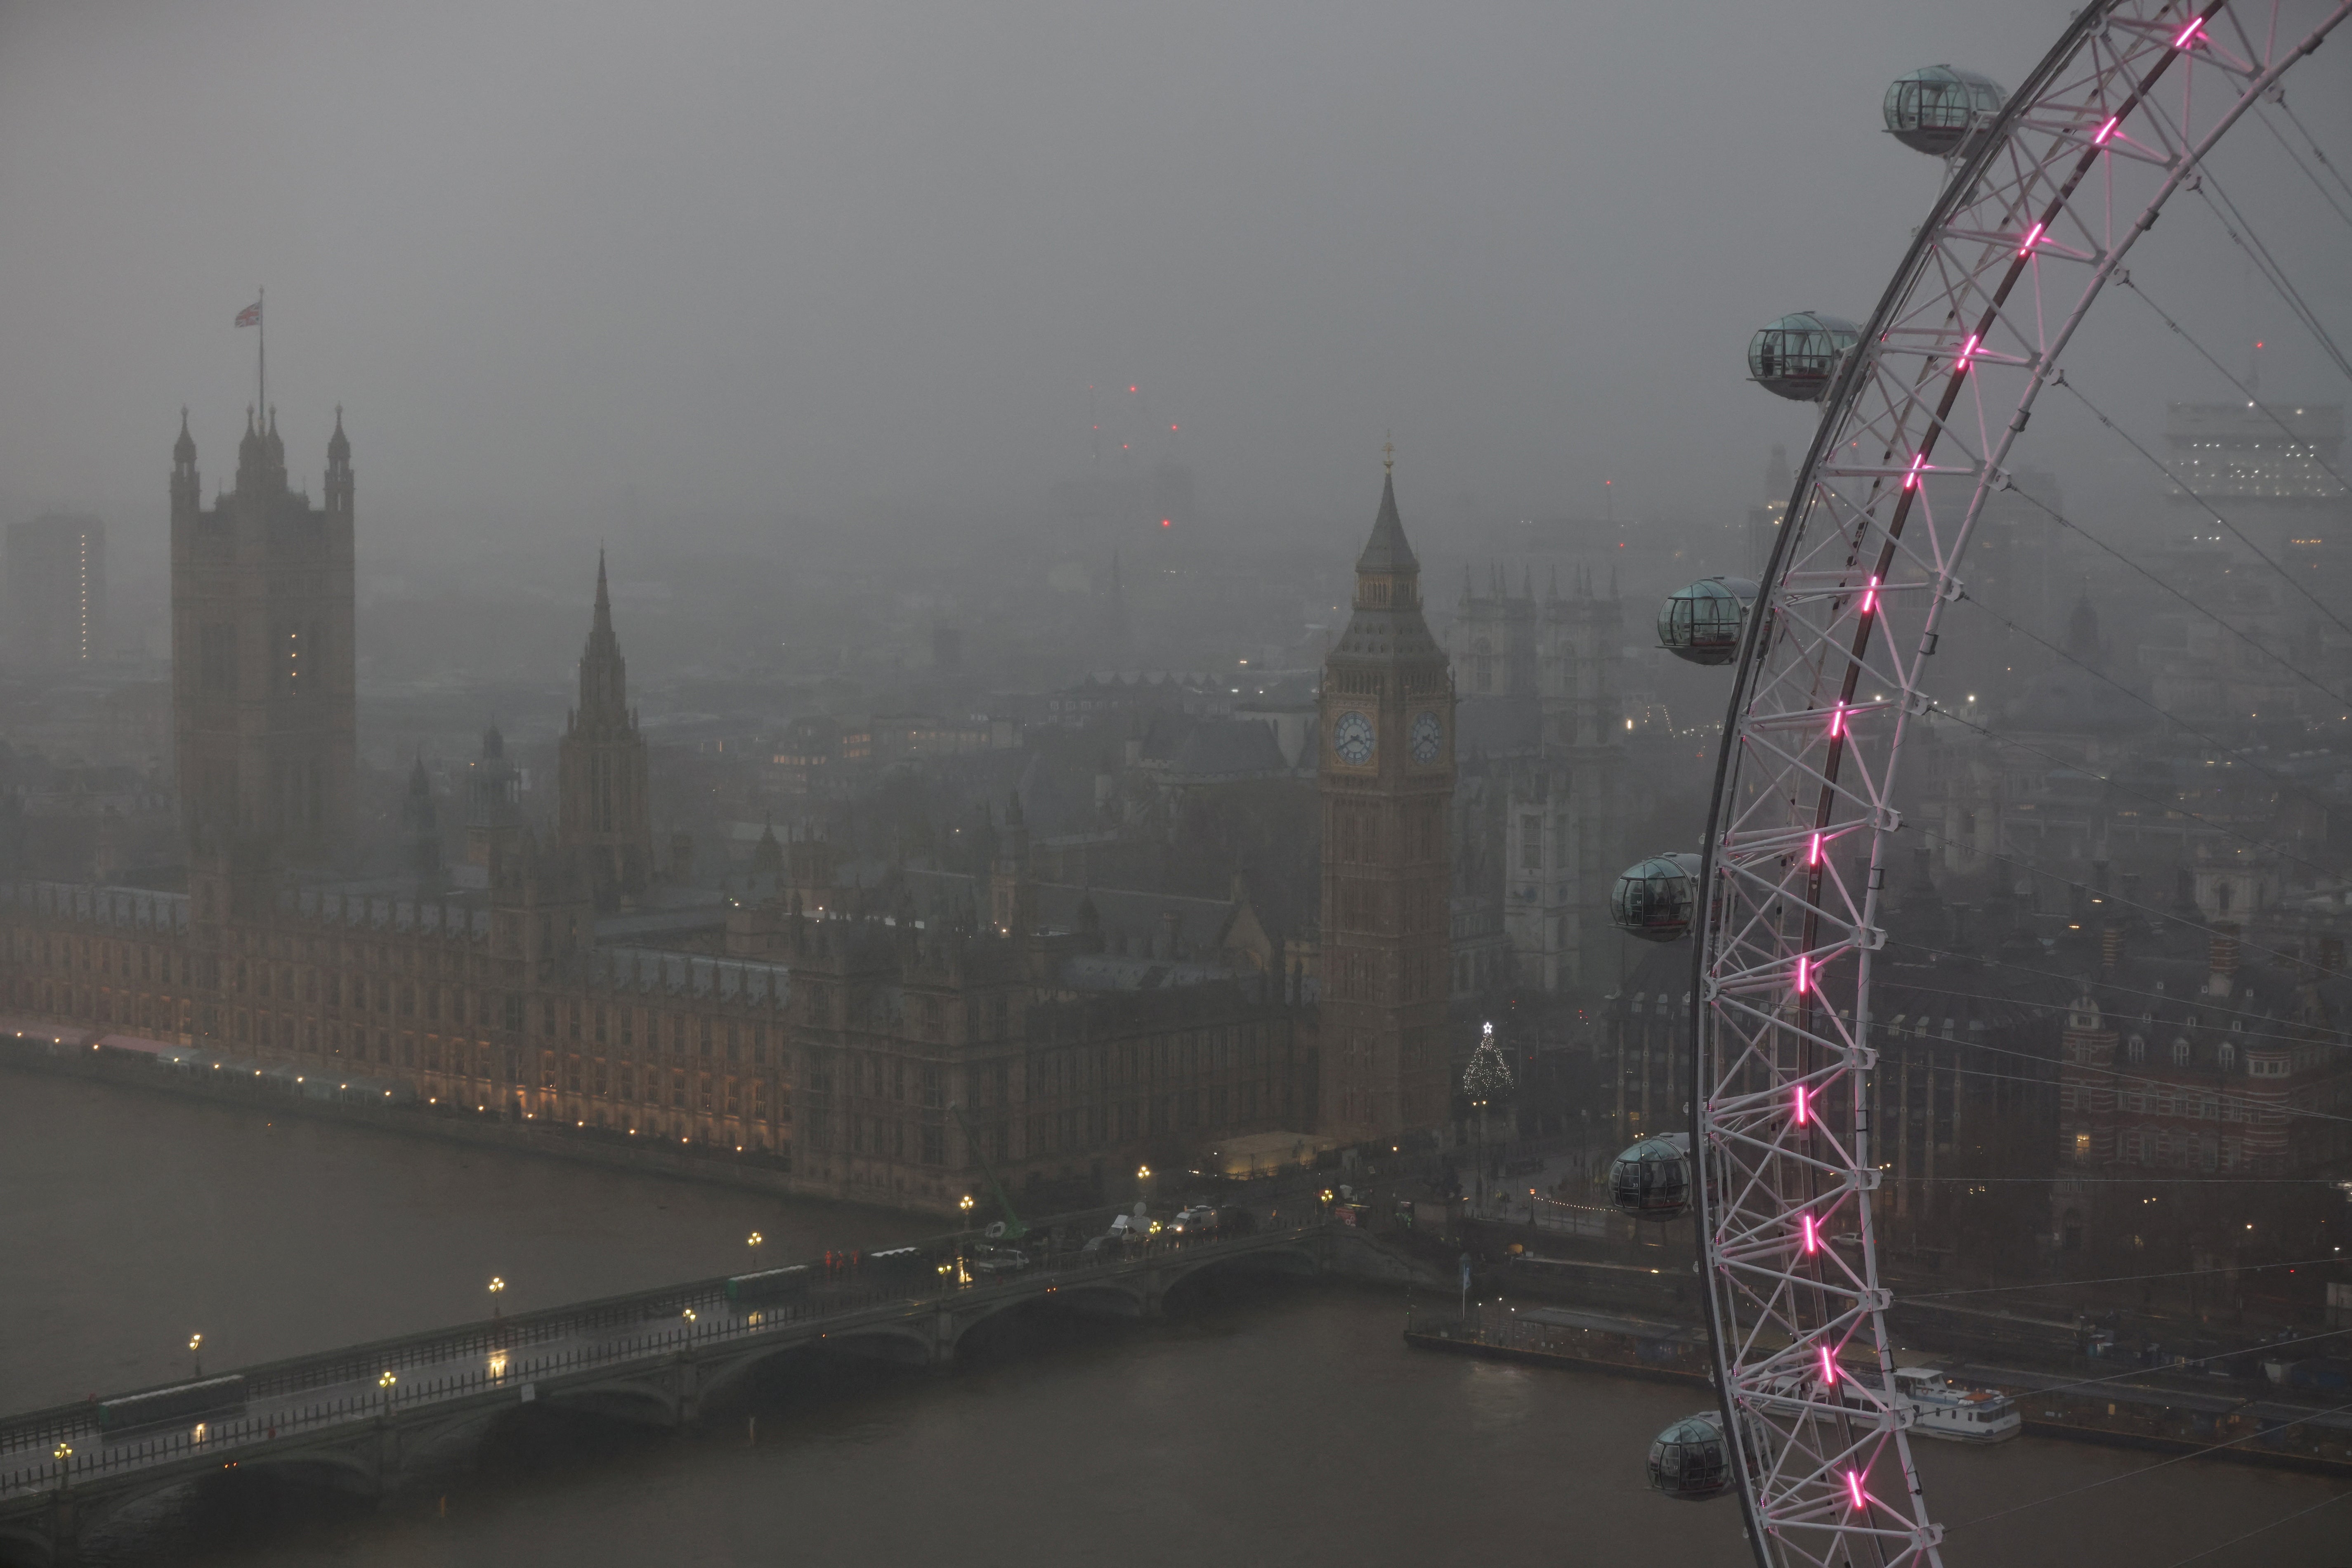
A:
(1352, 738)
(1428, 737)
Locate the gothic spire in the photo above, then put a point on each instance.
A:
(1386, 552)
(603, 674)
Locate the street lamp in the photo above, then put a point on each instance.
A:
(752, 1241)
(1143, 1183)
(195, 1353)
(965, 1205)
(385, 1382)
(497, 1285)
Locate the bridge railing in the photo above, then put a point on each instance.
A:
(504, 1369)
(295, 1373)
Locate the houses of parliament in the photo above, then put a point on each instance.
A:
(875, 1050)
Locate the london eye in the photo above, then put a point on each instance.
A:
(2052, 191)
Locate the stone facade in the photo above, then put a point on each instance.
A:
(1386, 776)
(262, 653)
(855, 1057)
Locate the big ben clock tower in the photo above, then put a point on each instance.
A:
(1386, 774)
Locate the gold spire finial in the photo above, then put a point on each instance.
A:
(1388, 453)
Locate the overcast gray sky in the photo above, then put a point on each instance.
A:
(716, 261)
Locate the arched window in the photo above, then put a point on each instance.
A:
(2181, 1053)
(2137, 1050)
(2226, 1055)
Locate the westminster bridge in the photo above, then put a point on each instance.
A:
(349, 1419)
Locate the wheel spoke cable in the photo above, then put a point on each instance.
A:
(2140, 293)
(2207, 190)
(2061, 379)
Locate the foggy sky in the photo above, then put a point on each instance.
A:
(582, 270)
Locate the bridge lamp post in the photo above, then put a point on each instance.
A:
(753, 1241)
(195, 1354)
(497, 1285)
(1143, 1183)
(385, 1382)
(965, 1205)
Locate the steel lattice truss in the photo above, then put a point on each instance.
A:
(1837, 659)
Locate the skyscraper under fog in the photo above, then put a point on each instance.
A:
(2270, 470)
(56, 591)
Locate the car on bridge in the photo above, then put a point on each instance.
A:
(1002, 1260)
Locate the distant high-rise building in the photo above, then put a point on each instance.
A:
(1387, 782)
(603, 812)
(1764, 520)
(2270, 468)
(56, 591)
(262, 701)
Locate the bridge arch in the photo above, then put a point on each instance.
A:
(1295, 1262)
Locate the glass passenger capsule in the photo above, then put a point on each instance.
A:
(1797, 356)
(1690, 1459)
(1652, 1180)
(1700, 621)
(1656, 899)
(1940, 111)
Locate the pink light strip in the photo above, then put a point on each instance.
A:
(1803, 1105)
(1829, 1367)
(1870, 594)
(1919, 459)
(1804, 974)
(1853, 1490)
(1812, 1233)
(2189, 34)
(1813, 855)
(2106, 131)
(2032, 238)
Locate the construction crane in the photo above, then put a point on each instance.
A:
(1010, 1228)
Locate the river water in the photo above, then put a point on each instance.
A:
(1256, 1423)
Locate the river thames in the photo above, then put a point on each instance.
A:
(1257, 1423)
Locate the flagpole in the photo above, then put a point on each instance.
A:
(261, 320)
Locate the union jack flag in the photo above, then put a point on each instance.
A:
(250, 316)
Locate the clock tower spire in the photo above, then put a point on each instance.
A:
(1386, 772)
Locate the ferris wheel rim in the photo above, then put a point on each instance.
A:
(1718, 992)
